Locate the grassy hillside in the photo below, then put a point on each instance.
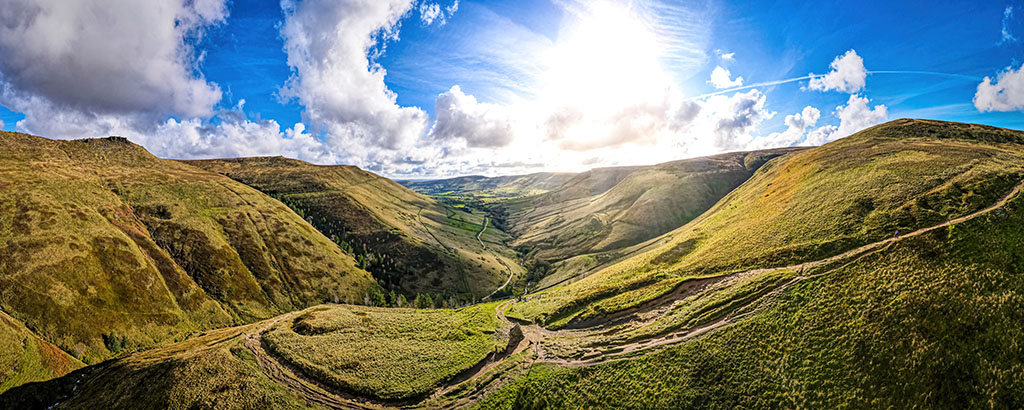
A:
(597, 213)
(807, 206)
(105, 248)
(932, 321)
(408, 241)
(24, 357)
(790, 292)
(313, 358)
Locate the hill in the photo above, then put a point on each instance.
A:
(789, 292)
(410, 243)
(105, 248)
(595, 215)
(813, 204)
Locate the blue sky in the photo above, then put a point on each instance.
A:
(521, 86)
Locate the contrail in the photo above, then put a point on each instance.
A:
(808, 77)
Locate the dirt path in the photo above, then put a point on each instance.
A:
(486, 220)
(282, 374)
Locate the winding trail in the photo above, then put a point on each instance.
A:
(486, 220)
(541, 339)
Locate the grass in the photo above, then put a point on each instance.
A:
(406, 240)
(213, 371)
(811, 205)
(99, 240)
(932, 322)
(391, 354)
(24, 357)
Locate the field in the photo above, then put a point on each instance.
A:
(390, 354)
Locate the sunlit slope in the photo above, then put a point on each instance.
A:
(24, 357)
(106, 248)
(408, 241)
(812, 204)
(931, 321)
(492, 187)
(608, 209)
(303, 359)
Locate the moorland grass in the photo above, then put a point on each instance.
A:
(391, 354)
(808, 206)
(930, 322)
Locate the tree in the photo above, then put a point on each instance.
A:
(424, 301)
(401, 302)
(375, 297)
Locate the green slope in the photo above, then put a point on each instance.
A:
(930, 322)
(105, 248)
(24, 357)
(597, 214)
(410, 243)
(816, 203)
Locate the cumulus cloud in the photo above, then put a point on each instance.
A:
(97, 62)
(462, 117)
(796, 126)
(1006, 93)
(847, 75)
(196, 139)
(722, 78)
(732, 119)
(330, 48)
(855, 116)
(727, 56)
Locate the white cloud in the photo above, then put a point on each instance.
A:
(1005, 35)
(730, 121)
(96, 62)
(1005, 94)
(329, 44)
(479, 125)
(727, 56)
(796, 125)
(194, 139)
(1, 124)
(847, 75)
(855, 116)
(722, 78)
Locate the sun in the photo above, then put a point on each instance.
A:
(604, 60)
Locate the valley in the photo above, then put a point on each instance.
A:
(881, 269)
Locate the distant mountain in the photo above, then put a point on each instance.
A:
(105, 248)
(410, 243)
(497, 187)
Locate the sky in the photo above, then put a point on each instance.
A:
(435, 88)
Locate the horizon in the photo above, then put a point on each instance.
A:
(432, 89)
